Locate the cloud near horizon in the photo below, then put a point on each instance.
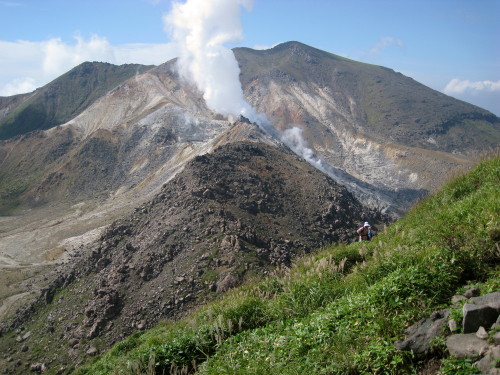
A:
(457, 86)
(26, 65)
(485, 94)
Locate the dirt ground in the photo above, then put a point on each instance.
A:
(35, 241)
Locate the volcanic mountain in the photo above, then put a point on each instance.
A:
(198, 201)
(230, 215)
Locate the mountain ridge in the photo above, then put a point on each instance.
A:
(60, 100)
(368, 87)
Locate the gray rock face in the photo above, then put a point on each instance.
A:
(487, 364)
(476, 316)
(491, 299)
(479, 316)
(452, 325)
(472, 292)
(421, 333)
(496, 338)
(466, 346)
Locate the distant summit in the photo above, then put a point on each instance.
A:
(62, 99)
(324, 91)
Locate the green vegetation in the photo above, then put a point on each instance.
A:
(340, 310)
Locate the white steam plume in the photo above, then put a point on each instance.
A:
(293, 139)
(201, 28)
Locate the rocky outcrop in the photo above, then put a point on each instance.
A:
(466, 345)
(479, 339)
(421, 334)
(476, 316)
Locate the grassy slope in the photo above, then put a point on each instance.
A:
(338, 311)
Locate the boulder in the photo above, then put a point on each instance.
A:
(38, 367)
(476, 316)
(419, 335)
(496, 338)
(497, 323)
(452, 325)
(91, 351)
(472, 292)
(227, 283)
(491, 299)
(487, 364)
(466, 346)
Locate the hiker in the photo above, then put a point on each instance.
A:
(365, 232)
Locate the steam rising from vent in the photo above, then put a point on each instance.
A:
(293, 138)
(201, 28)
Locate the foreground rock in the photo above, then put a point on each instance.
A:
(477, 342)
(421, 334)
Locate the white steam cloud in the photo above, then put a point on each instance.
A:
(293, 138)
(201, 28)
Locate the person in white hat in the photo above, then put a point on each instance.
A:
(365, 232)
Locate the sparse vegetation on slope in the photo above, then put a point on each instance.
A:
(64, 98)
(339, 311)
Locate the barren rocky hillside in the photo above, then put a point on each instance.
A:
(230, 215)
(63, 98)
(381, 128)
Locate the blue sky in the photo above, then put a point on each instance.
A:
(449, 45)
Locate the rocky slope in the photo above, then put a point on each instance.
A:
(230, 215)
(377, 126)
(62, 99)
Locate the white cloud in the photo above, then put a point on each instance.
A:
(25, 65)
(457, 86)
(264, 46)
(384, 43)
(18, 85)
(485, 94)
(60, 57)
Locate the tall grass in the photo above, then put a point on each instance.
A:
(340, 310)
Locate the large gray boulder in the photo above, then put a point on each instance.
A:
(491, 299)
(419, 335)
(487, 364)
(476, 316)
(466, 346)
